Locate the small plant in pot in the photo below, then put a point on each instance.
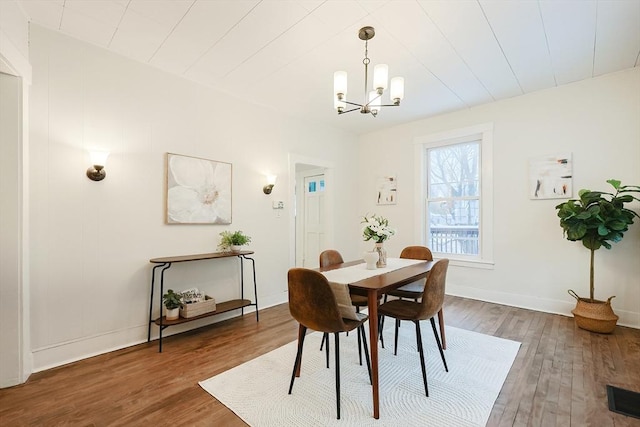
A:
(233, 241)
(172, 302)
(596, 219)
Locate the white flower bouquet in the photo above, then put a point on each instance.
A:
(376, 228)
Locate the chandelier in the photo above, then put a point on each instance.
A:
(373, 99)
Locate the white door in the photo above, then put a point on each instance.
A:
(313, 220)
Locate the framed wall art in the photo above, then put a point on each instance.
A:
(387, 190)
(550, 177)
(198, 191)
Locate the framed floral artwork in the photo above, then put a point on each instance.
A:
(198, 191)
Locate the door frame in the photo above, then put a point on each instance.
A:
(14, 63)
(294, 160)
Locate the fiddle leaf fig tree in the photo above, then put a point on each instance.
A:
(598, 218)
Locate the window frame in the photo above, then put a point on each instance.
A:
(484, 134)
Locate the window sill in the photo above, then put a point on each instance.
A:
(467, 263)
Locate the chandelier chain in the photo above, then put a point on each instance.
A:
(366, 62)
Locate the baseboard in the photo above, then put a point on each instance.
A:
(627, 318)
(82, 348)
(71, 351)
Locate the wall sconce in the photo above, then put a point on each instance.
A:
(98, 160)
(271, 181)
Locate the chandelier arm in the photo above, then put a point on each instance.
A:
(353, 103)
(348, 111)
(371, 100)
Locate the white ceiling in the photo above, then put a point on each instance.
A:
(453, 54)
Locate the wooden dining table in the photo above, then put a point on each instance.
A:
(373, 287)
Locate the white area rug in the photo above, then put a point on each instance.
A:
(478, 364)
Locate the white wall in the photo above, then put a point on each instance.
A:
(91, 241)
(598, 120)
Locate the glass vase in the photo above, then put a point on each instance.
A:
(382, 255)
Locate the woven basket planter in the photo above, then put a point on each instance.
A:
(198, 308)
(594, 315)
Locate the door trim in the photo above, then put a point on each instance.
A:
(328, 166)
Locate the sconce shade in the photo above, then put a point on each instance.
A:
(99, 158)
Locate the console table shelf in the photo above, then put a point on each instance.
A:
(163, 264)
(222, 307)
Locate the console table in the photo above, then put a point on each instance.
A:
(163, 264)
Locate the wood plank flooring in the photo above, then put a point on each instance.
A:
(558, 377)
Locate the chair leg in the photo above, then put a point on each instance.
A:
(359, 347)
(303, 333)
(421, 351)
(380, 327)
(435, 334)
(338, 372)
(366, 350)
(357, 311)
(395, 338)
(326, 348)
(324, 338)
(441, 323)
(381, 324)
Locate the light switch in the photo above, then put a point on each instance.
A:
(278, 204)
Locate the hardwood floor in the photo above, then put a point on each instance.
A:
(558, 377)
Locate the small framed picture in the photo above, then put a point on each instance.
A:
(387, 190)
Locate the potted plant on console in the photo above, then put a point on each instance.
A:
(596, 219)
(172, 302)
(233, 241)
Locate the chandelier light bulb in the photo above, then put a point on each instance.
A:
(380, 77)
(340, 83)
(397, 90)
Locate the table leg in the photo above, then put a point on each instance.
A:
(373, 341)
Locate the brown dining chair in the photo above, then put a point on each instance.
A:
(332, 257)
(313, 304)
(427, 308)
(414, 290)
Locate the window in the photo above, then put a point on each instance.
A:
(455, 194)
(453, 198)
